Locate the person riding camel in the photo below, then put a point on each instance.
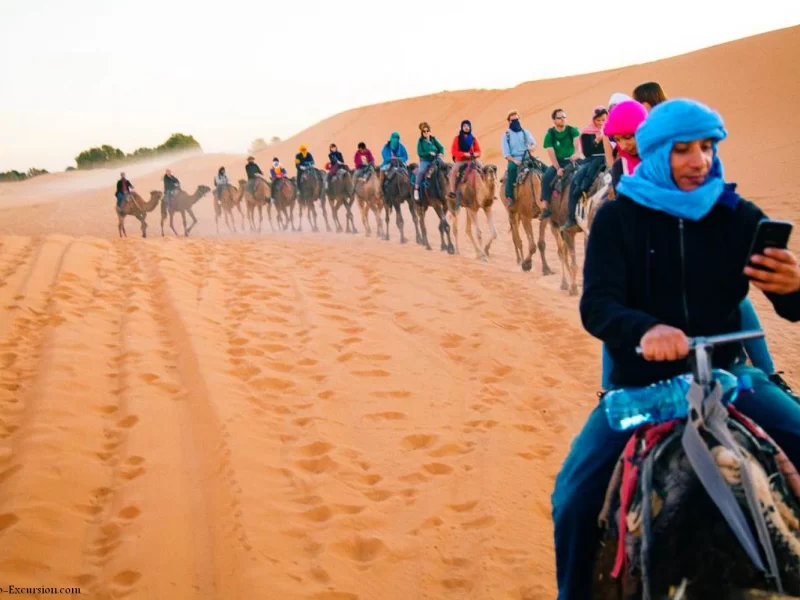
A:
(428, 150)
(362, 159)
(595, 159)
(622, 124)
(336, 161)
(253, 172)
(171, 185)
(515, 142)
(220, 181)
(562, 148)
(665, 261)
(124, 188)
(464, 148)
(276, 173)
(608, 144)
(303, 160)
(394, 148)
(649, 94)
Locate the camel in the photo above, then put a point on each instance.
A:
(559, 209)
(599, 193)
(230, 196)
(284, 198)
(367, 189)
(135, 206)
(676, 540)
(396, 187)
(526, 207)
(433, 194)
(258, 198)
(477, 189)
(182, 203)
(340, 191)
(311, 187)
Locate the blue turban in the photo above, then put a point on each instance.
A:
(651, 185)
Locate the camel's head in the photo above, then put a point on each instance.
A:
(155, 195)
(202, 190)
(242, 182)
(491, 172)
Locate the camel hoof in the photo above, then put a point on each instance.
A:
(573, 291)
(547, 271)
(402, 241)
(527, 264)
(450, 249)
(484, 259)
(428, 247)
(564, 286)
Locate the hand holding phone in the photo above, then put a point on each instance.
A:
(771, 267)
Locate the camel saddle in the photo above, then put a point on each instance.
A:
(559, 183)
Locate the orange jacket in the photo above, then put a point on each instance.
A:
(458, 155)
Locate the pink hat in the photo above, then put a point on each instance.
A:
(625, 118)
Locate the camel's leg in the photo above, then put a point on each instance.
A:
(269, 216)
(571, 262)
(492, 228)
(444, 228)
(351, 218)
(513, 222)
(527, 225)
(454, 228)
(300, 206)
(423, 230)
(185, 230)
(412, 208)
(163, 218)
(376, 211)
(400, 223)
(364, 217)
(194, 219)
(546, 270)
(144, 226)
(324, 213)
(478, 252)
(121, 225)
(311, 211)
(335, 204)
(562, 255)
(241, 212)
(172, 225)
(388, 209)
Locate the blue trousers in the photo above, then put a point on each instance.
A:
(581, 484)
(756, 350)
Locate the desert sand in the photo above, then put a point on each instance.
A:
(318, 416)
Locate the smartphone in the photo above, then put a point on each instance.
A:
(769, 234)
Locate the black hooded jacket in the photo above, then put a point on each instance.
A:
(644, 267)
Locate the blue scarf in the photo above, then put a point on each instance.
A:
(465, 140)
(394, 141)
(652, 185)
(515, 125)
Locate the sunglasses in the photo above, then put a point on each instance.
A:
(560, 118)
(426, 131)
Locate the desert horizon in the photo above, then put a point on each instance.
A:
(321, 416)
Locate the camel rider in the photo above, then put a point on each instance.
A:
(276, 173)
(608, 144)
(220, 181)
(561, 142)
(253, 172)
(171, 185)
(464, 148)
(363, 159)
(394, 148)
(592, 144)
(124, 188)
(665, 260)
(336, 160)
(623, 122)
(428, 150)
(515, 142)
(303, 160)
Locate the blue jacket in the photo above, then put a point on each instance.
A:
(386, 153)
(516, 142)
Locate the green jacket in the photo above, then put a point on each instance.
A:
(425, 147)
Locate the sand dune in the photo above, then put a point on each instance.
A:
(315, 416)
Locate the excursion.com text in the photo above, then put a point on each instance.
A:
(21, 591)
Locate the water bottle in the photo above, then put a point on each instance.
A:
(628, 408)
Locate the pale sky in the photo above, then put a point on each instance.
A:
(80, 73)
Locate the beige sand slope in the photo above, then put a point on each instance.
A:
(315, 416)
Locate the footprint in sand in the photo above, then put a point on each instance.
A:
(378, 495)
(319, 514)
(451, 340)
(7, 520)
(388, 416)
(360, 549)
(457, 584)
(419, 441)
(452, 450)
(127, 578)
(438, 468)
(334, 595)
(479, 523)
(464, 507)
(324, 464)
(128, 422)
(391, 394)
(129, 513)
(316, 449)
